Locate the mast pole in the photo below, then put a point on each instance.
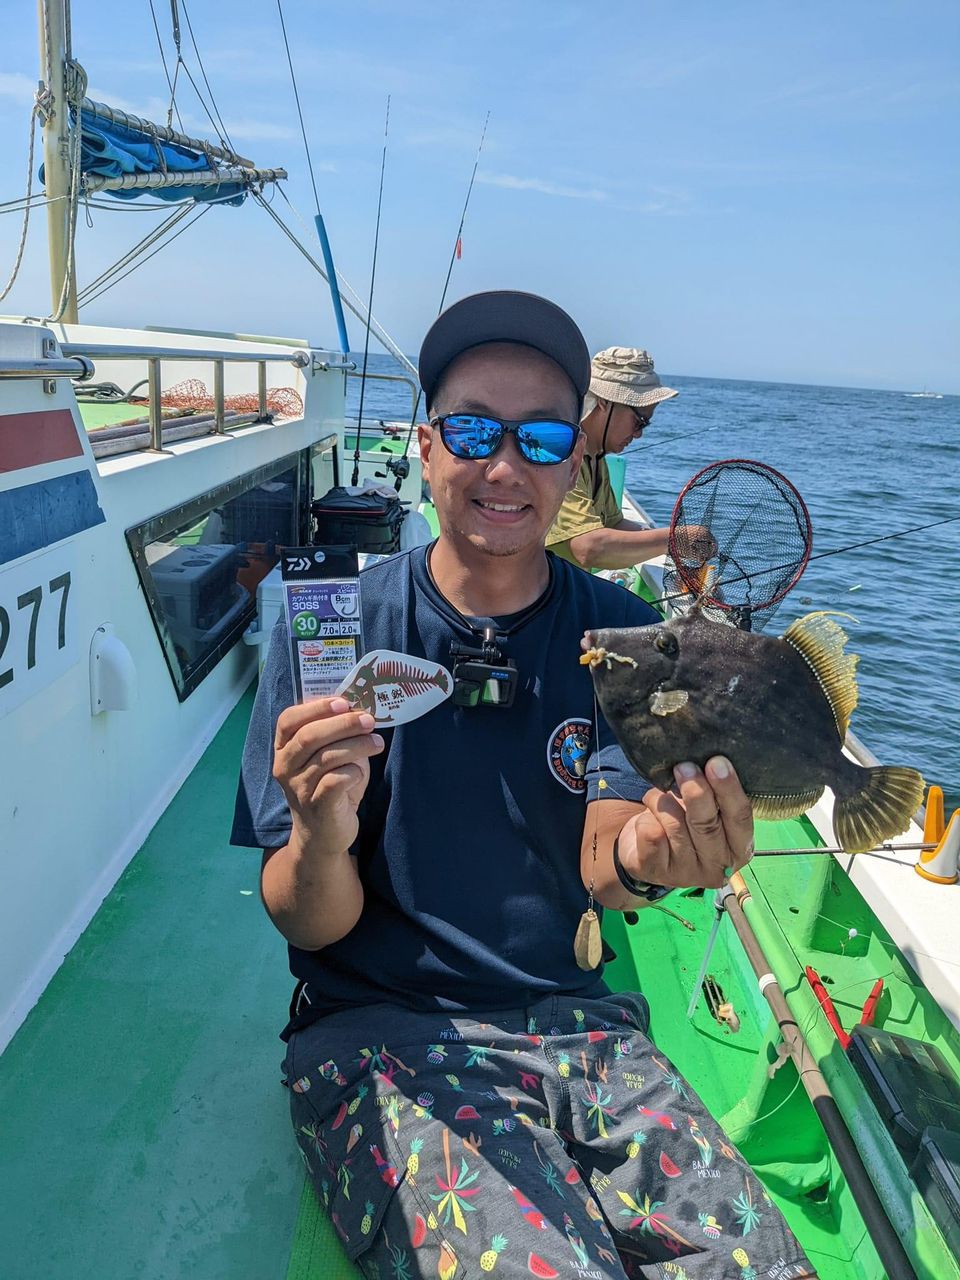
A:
(56, 153)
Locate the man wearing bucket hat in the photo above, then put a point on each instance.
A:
(590, 529)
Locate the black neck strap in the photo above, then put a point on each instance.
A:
(506, 624)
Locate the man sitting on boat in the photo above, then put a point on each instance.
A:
(466, 1092)
(590, 529)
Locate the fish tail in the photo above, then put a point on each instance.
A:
(874, 805)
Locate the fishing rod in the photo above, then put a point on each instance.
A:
(401, 464)
(880, 1228)
(876, 851)
(655, 444)
(822, 555)
(373, 276)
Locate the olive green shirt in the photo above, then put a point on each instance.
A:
(581, 511)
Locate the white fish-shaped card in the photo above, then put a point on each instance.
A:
(395, 687)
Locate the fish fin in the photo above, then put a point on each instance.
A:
(879, 808)
(664, 702)
(777, 808)
(820, 641)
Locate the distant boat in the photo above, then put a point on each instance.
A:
(923, 395)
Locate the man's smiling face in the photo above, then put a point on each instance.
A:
(501, 505)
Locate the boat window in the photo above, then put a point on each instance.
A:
(200, 563)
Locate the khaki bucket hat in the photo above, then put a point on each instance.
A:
(626, 376)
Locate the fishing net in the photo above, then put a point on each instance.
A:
(740, 538)
(192, 396)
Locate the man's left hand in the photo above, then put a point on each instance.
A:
(695, 838)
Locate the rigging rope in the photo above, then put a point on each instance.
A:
(75, 88)
(373, 276)
(26, 208)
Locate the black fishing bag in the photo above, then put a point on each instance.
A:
(369, 521)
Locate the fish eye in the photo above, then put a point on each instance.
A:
(666, 643)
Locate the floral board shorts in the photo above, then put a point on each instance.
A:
(548, 1141)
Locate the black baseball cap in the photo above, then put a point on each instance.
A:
(504, 315)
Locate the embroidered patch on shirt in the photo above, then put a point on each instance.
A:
(568, 748)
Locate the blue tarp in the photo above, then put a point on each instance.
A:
(109, 150)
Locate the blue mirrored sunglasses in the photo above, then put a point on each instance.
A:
(543, 442)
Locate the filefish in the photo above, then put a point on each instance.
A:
(778, 708)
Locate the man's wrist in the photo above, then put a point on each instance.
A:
(643, 889)
(312, 845)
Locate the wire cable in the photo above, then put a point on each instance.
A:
(351, 297)
(145, 243)
(225, 136)
(171, 84)
(99, 294)
(348, 294)
(296, 94)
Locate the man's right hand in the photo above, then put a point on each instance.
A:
(321, 759)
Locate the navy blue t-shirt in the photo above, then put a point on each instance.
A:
(470, 827)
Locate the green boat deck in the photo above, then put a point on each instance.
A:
(146, 1133)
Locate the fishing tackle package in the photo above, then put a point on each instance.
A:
(321, 600)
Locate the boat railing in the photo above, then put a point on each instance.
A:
(154, 356)
(79, 369)
(392, 377)
(76, 361)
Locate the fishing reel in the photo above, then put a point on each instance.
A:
(483, 677)
(400, 468)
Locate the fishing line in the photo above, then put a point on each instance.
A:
(373, 276)
(822, 555)
(686, 435)
(453, 258)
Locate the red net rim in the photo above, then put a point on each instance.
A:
(688, 575)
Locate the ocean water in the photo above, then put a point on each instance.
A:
(867, 463)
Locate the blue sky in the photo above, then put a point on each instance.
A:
(752, 190)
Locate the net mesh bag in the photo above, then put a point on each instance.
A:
(192, 396)
(740, 538)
